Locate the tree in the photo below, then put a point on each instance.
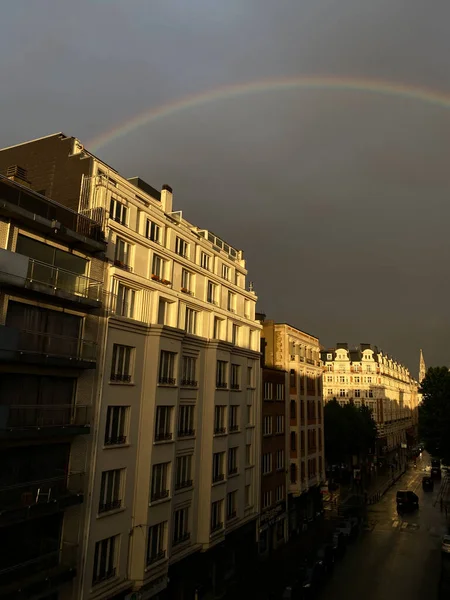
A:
(434, 412)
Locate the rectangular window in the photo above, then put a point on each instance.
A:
(216, 516)
(183, 473)
(122, 254)
(158, 268)
(156, 542)
(235, 377)
(231, 504)
(189, 368)
(370, 393)
(280, 424)
(342, 393)
(248, 495)
(186, 421)
(160, 483)
(280, 460)
(204, 260)
(249, 377)
(342, 379)
(219, 419)
(181, 526)
(167, 368)
(186, 280)
(248, 455)
(116, 425)
(181, 247)
(232, 461)
(153, 231)
(247, 309)
(164, 312)
(163, 426)
(249, 414)
(266, 463)
(118, 211)
(110, 490)
(234, 418)
(369, 380)
(267, 425)
(280, 391)
(105, 559)
(218, 324)
(268, 391)
(235, 334)
(125, 301)
(190, 324)
(267, 499)
(251, 339)
(357, 393)
(221, 374)
(211, 293)
(357, 379)
(226, 272)
(279, 493)
(231, 302)
(121, 364)
(218, 466)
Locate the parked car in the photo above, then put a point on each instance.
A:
(427, 484)
(348, 526)
(446, 544)
(407, 500)
(436, 473)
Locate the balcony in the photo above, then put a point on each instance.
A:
(35, 347)
(231, 515)
(233, 428)
(163, 436)
(183, 484)
(156, 557)
(221, 385)
(189, 383)
(184, 537)
(37, 420)
(234, 386)
(216, 527)
(167, 381)
(218, 477)
(19, 271)
(220, 430)
(159, 495)
(108, 506)
(186, 433)
(49, 217)
(232, 471)
(39, 498)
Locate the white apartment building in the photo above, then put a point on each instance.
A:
(175, 471)
(366, 376)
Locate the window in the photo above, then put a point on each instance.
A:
(247, 308)
(121, 363)
(267, 499)
(232, 461)
(122, 254)
(164, 307)
(248, 455)
(156, 542)
(280, 424)
(357, 379)
(293, 441)
(235, 376)
(181, 247)
(370, 393)
(329, 367)
(235, 334)
(234, 420)
(267, 425)
(329, 377)
(167, 368)
(369, 380)
(118, 211)
(110, 490)
(218, 466)
(216, 516)
(248, 495)
(163, 427)
(249, 414)
(357, 393)
(268, 391)
(105, 559)
(368, 369)
(204, 260)
(280, 391)
(186, 420)
(186, 278)
(180, 526)
(251, 339)
(302, 441)
(125, 301)
(293, 473)
(231, 505)
(249, 377)
(116, 422)
(218, 323)
(231, 302)
(280, 460)
(183, 476)
(160, 481)
(211, 292)
(153, 231)
(190, 324)
(329, 357)
(221, 374)
(226, 272)
(188, 371)
(342, 393)
(219, 419)
(158, 267)
(293, 409)
(342, 379)
(266, 463)
(279, 493)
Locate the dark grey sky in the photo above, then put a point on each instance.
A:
(339, 199)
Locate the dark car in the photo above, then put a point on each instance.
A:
(325, 554)
(407, 500)
(436, 473)
(427, 484)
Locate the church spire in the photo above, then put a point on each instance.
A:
(422, 367)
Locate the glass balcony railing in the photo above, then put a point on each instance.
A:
(56, 278)
(15, 417)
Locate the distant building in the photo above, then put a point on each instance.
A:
(365, 376)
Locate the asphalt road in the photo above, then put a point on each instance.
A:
(396, 557)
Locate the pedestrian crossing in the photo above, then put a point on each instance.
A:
(404, 526)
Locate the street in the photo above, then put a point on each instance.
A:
(396, 556)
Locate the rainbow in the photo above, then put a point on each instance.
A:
(370, 86)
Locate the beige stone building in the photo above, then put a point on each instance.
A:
(298, 353)
(174, 487)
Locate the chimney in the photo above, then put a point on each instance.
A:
(18, 174)
(166, 198)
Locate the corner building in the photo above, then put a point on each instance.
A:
(298, 353)
(173, 495)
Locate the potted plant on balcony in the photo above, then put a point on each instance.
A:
(185, 290)
(155, 277)
(165, 281)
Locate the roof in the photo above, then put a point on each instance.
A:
(59, 133)
(299, 330)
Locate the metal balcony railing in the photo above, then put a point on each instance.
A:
(41, 416)
(181, 538)
(49, 344)
(56, 278)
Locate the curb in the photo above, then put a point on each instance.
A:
(376, 497)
